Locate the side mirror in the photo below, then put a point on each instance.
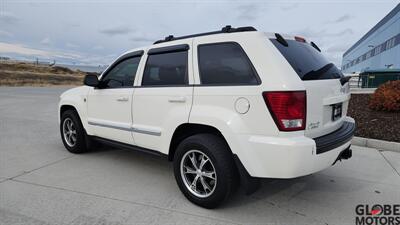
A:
(91, 80)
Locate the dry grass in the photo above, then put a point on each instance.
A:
(28, 74)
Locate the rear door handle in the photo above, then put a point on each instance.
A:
(179, 99)
(122, 99)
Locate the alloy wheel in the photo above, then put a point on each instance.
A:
(69, 132)
(198, 173)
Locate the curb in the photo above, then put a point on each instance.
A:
(362, 90)
(375, 143)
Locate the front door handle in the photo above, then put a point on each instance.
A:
(179, 99)
(122, 99)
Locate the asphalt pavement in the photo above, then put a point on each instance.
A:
(42, 183)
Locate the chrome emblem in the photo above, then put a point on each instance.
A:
(313, 125)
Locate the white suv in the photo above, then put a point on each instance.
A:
(226, 107)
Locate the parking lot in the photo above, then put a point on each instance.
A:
(42, 183)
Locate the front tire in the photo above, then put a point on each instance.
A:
(72, 132)
(204, 170)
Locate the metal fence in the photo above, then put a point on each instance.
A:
(371, 80)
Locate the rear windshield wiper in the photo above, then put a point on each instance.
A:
(281, 40)
(315, 46)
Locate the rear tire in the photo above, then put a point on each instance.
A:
(72, 132)
(210, 189)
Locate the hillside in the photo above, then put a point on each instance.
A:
(13, 73)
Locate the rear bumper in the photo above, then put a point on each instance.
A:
(335, 139)
(290, 157)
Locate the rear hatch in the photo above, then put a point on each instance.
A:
(327, 99)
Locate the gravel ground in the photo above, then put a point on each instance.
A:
(373, 124)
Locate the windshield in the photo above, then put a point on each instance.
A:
(307, 61)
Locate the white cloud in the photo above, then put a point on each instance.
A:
(249, 12)
(26, 51)
(96, 60)
(337, 48)
(4, 33)
(117, 30)
(20, 49)
(71, 45)
(45, 41)
(289, 7)
(66, 55)
(142, 38)
(98, 47)
(344, 32)
(319, 34)
(109, 27)
(343, 18)
(8, 17)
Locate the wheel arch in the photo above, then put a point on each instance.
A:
(188, 129)
(250, 184)
(66, 107)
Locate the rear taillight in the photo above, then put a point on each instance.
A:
(288, 108)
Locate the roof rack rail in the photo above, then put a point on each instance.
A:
(226, 29)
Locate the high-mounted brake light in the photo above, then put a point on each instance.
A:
(288, 108)
(300, 39)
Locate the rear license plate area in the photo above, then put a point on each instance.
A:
(337, 111)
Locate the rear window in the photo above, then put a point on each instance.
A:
(225, 64)
(308, 62)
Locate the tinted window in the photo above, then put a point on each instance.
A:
(308, 63)
(225, 63)
(122, 74)
(166, 69)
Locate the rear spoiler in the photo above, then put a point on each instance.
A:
(344, 80)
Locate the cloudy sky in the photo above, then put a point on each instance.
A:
(95, 32)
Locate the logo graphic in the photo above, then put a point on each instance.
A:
(378, 214)
(313, 125)
(376, 210)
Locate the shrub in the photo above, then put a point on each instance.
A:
(386, 97)
(60, 69)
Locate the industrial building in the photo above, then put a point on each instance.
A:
(378, 49)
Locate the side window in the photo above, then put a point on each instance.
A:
(225, 63)
(122, 74)
(166, 69)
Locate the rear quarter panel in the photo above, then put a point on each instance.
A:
(215, 105)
